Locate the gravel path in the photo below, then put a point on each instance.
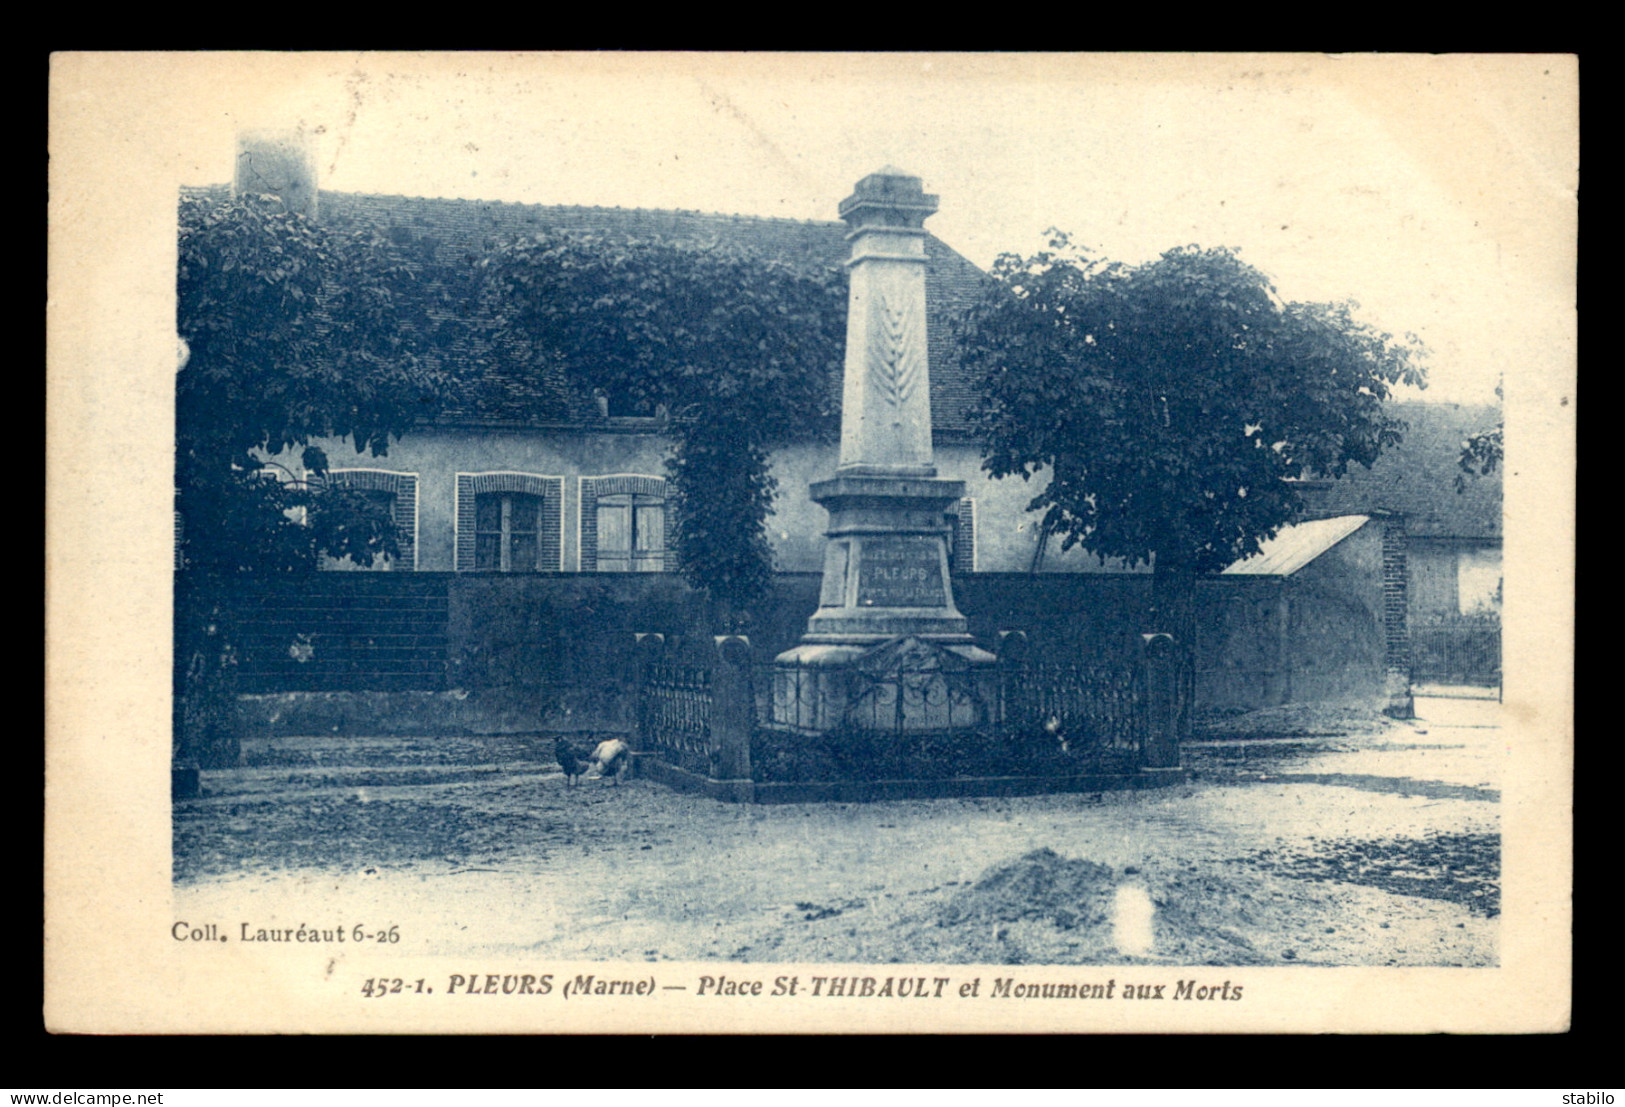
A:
(1371, 848)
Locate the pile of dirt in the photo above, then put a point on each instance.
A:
(1042, 886)
(1043, 908)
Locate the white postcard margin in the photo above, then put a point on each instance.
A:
(120, 143)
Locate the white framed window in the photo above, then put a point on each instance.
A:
(398, 492)
(624, 527)
(509, 523)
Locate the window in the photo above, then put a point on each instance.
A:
(623, 524)
(398, 493)
(631, 534)
(1478, 582)
(509, 522)
(507, 531)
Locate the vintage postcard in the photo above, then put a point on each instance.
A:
(815, 543)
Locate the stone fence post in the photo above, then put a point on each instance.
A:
(647, 650)
(1012, 653)
(1162, 670)
(733, 708)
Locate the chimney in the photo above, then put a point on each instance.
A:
(280, 163)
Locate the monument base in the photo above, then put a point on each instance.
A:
(903, 685)
(886, 650)
(886, 565)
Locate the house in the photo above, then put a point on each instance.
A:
(1454, 536)
(523, 477)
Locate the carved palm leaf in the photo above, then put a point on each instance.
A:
(896, 360)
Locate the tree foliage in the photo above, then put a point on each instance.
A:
(1481, 453)
(1173, 403)
(740, 350)
(292, 333)
(289, 334)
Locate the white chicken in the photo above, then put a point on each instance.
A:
(1057, 730)
(612, 758)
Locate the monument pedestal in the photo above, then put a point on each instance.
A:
(886, 649)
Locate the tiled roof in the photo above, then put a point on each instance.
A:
(1418, 477)
(448, 237)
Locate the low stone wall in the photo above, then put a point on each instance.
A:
(421, 714)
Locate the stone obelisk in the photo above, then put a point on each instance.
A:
(886, 583)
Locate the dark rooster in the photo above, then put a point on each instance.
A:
(571, 760)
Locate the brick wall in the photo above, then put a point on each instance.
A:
(1395, 595)
(542, 632)
(336, 632)
(1396, 615)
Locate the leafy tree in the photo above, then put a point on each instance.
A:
(740, 350)
(1173, 403)
(290, 333)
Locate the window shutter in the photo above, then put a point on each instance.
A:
(588, 551)
(625, 525)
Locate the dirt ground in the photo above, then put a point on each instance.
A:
(1305, 837)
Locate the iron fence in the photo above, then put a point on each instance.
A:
(674, 713)
(1459, 652)
(1098, 706)
(1016, 718)
(892, 699)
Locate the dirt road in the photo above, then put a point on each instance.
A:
(1376, 845)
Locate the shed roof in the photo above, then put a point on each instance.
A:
(1295, 546)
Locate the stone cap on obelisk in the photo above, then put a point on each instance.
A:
(888, 198)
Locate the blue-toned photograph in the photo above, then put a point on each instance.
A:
(899, 517)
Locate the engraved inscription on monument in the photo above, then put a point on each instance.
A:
(904, 572)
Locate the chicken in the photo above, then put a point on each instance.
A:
(613, 757)
(1056, 729)
(571, 761)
